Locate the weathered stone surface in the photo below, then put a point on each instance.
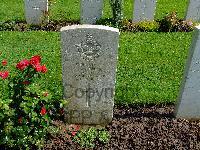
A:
(144, 10)
(89, 58)
(193, 10)
(91, 11)
(36, 11)
(189, 98)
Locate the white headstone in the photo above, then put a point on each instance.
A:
(91, 11)
(36, 11)
(189, 99)
(144, 10)
(89, 59)
(193, 10)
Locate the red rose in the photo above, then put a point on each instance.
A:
(4, 74)
(35, 60)
(43, 111)
(4, 62)
(44, 69)
(38, 68)
(22, 64)
(73, 133)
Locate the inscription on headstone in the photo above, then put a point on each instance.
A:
(193, 10)
(89, 58)
(36, 11)
(144, 10)
(189, 99)
(91, 11)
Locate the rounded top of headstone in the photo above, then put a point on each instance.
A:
(87, 26)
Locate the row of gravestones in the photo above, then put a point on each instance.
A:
(89, 58)
(90, 53)
(91, 10)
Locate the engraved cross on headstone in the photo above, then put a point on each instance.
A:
(89, 50)
(36, 7)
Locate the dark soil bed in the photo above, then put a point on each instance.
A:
(126, 25)
(23, 26)
(151, 127)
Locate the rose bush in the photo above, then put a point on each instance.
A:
(26, 110)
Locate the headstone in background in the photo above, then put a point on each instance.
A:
(36, 11)
(89, 60)
(91, 11)
(193, 10)
(189, 99)
(144, 10)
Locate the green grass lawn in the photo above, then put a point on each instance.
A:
(150, 64)
(70, 9)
